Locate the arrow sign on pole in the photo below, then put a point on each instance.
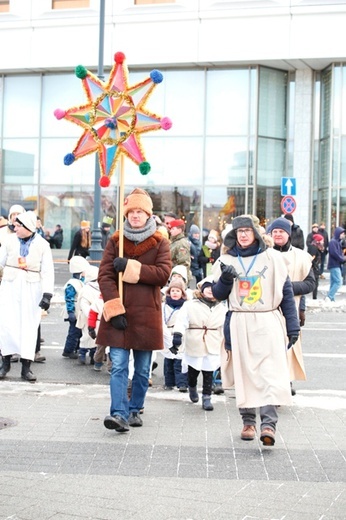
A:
(288, 186)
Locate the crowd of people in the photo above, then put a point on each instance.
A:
(228, 306)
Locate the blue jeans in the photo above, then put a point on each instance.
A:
(73, 336)
(173, 374)
(335, 282)
(120, 405)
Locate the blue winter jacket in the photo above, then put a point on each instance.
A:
(336, 257)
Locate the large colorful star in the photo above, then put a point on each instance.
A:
(113, 118)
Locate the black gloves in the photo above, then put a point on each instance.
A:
(292, 340)
(301, 318)
(228, 273)
(119, 264)
(71, 317)
(92, 332)
(119, 322)
(45, 302)
(176, 342)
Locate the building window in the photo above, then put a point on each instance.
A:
(70, 4)
(142, 2)
(4, 6)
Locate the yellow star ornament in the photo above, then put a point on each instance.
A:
(113, 118)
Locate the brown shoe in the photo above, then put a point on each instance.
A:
(268, 437)
(248, 432)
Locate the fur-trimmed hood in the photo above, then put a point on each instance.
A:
(230, 240)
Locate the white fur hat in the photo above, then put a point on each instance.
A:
(181, 270)
(208, 280)
(28, 219)
(91, 273)
(78, 264)
(16, 208)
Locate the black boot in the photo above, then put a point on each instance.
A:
(6, 366)
(26, 372)
(193, 394)
(206, 403)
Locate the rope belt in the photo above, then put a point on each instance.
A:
(201, 328)
(22, 268)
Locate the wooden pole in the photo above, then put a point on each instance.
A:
(121, 221)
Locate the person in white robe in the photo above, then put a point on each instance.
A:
(27, 288)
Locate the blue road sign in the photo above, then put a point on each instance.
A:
(288, 186)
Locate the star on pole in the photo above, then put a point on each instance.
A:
(113, 118)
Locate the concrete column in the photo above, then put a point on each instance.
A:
(303, 147)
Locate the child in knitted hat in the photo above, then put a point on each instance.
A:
(72, 289)
(180, 272)
(172, 303)
(200, 321)
(89, 292)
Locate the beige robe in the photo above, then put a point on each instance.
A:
(299, 265)
(257, 365)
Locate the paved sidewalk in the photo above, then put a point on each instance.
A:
(57, 461)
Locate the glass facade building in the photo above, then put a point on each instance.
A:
(236, 133)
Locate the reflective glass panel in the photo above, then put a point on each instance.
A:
(227, 160)
(53, 169)
(22, 98)
(272, 110)
(62, 91)
(228, 102)
(271, 162)
(20, 161)
(25, 195)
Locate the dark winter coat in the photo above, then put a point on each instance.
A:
(195, 249)
(208, 256)
(57, 239)
(336, 257)
(297, 236)
(315, 252)
(76, 247)
(142, 299)
(324, 233)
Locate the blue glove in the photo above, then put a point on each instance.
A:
(119, 264)
(119, 322)
(177, 339)
(176, 342)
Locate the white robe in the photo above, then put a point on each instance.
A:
(20, 294)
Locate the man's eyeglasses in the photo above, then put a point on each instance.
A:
(246, 231)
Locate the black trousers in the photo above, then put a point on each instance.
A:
(192, 376)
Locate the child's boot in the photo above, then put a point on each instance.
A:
(193, 394)
(206, 403)
(91, 355)
(82, 355)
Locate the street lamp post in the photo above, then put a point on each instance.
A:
(96, 250)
